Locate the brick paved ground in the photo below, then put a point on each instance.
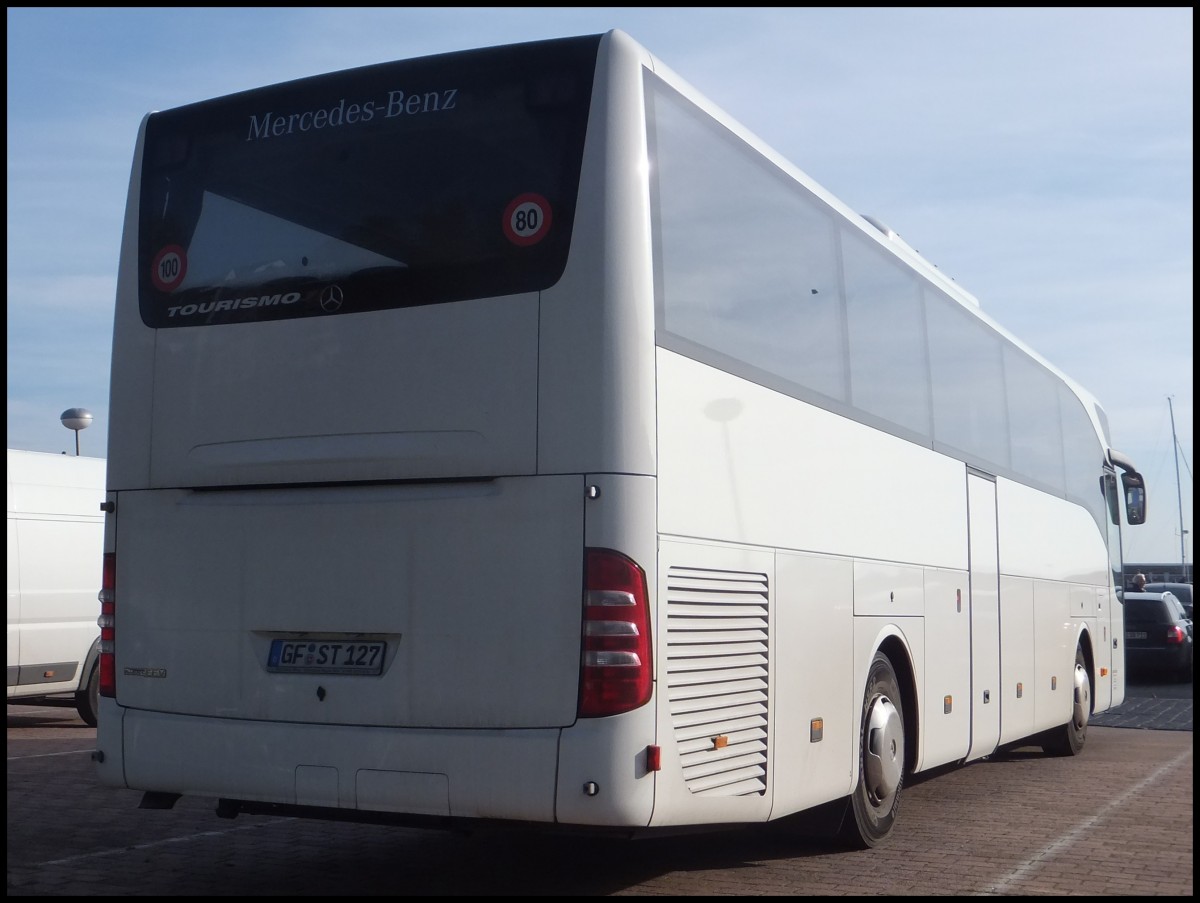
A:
(1116, 820)
(1156, 713)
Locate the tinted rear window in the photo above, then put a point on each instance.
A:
(416, 182)
(1152, 610)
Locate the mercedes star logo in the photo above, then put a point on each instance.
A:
(331, 298)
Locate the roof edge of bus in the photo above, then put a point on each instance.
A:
(931, 268)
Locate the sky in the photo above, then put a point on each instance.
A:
(1042, 158)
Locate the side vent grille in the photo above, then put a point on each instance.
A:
(717, 678)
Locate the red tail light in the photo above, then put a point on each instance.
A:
(108, 624)
(1176, 634)
(618, 670)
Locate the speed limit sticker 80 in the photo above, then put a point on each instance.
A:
(169, 268)
(527, 219)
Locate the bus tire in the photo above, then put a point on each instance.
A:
(1068, 739)
(87, 699)
(876, 798)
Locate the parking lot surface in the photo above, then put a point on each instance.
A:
(1116, 820)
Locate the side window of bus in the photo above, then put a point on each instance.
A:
(1108, 486)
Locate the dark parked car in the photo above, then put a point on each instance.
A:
(1158, 635)
(1181, 591)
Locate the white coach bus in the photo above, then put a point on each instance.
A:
(510, 435)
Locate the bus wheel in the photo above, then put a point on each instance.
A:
(1068, 739)
(876, 798)
(87, 700)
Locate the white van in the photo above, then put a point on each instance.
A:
(55, 556)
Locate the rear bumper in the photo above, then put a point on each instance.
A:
(1163, 659)
(491, 774)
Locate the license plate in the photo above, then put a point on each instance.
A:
(326, 657)
(1135, 634)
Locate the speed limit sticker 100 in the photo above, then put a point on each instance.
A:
(169, 268)
(527, 219)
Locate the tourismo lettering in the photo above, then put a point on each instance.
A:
(209, 307)
(398, 103)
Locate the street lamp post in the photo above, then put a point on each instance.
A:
(76, 419)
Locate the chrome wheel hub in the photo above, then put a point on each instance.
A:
(1083, 698)
(883, 756)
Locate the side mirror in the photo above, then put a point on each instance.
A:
(1135, 497)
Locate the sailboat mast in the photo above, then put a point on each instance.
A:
(1178, 491)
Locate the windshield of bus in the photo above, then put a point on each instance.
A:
(409, 183)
